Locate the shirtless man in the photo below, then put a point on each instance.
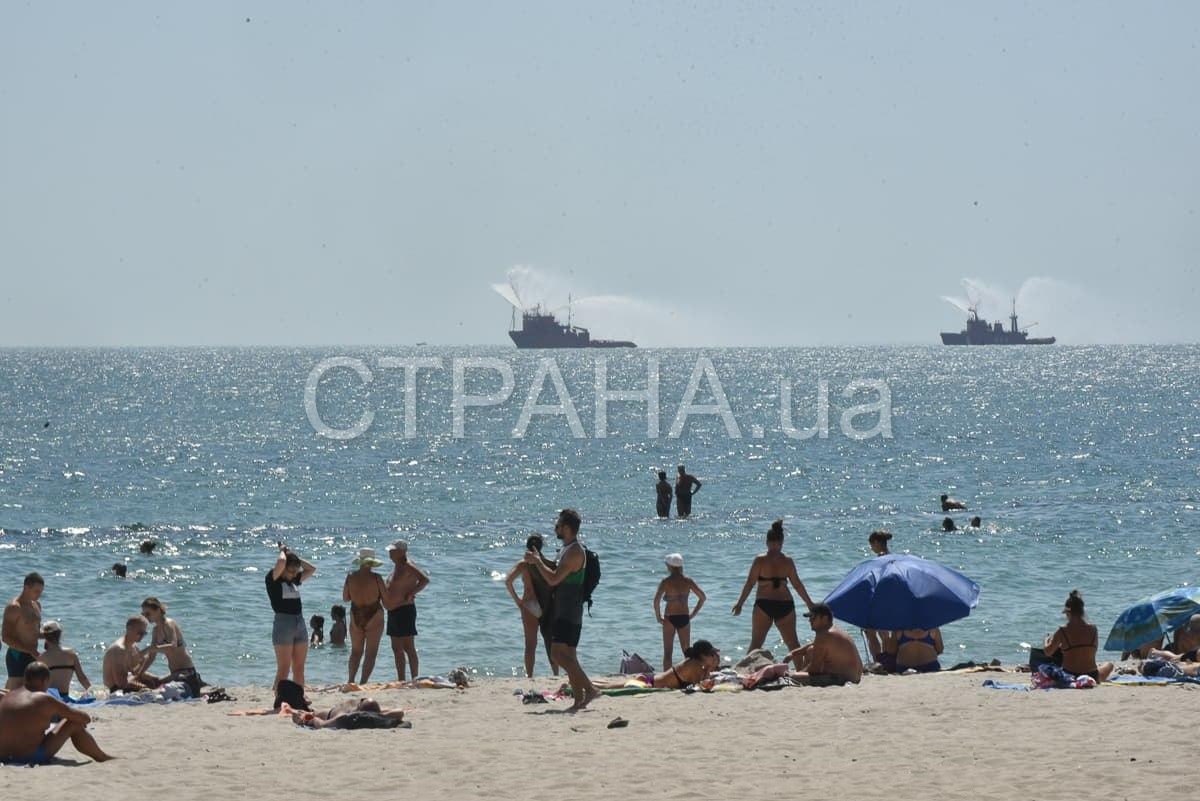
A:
(26, 714)
(63, 663)
(399, 598)
(125, 664)
(831, 659)
(686, 485)
(22, 628)
(364, 589)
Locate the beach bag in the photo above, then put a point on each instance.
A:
(290, 693)
(1037, 658)
(591, 576)
(633, 664)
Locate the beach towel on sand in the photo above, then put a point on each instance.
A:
(1046, 677)
(1153, 681)
(1052, 677)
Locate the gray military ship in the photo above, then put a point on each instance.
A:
(981, 332)
(541, 329)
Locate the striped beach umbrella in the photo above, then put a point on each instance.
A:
(1153, 617)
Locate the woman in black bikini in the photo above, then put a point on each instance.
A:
(167, 640)
(701, 660)
(63, 662)
(676, 620)
(771, 572)
(1078, 641)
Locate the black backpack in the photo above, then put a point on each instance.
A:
(591, 575)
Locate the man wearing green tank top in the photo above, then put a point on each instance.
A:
(567, 580)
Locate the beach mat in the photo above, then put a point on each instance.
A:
(1151, 681)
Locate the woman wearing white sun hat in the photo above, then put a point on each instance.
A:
(364, 589)
(676, 620)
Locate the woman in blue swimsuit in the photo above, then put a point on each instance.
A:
(771, 573)
(918, 649)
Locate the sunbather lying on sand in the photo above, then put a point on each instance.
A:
(359, 713)
(1168, 668)
(702, 659)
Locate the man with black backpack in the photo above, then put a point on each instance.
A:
(572, 588)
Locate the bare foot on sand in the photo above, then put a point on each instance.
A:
(587, 699)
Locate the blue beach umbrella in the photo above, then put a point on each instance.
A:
(899, 591)
(1153, 617)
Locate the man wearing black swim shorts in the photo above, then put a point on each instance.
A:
(567, 624)
(401, 589)
(21, 629)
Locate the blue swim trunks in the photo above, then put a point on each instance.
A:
(38, 757)
(16, 662)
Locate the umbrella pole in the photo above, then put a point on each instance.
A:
(866, 655)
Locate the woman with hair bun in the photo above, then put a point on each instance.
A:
(880, 644)
(771, 572)
(1078, 640)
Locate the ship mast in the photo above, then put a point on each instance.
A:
(568, 310)
(1013, 317)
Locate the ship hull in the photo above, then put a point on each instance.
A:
(961, 338)
(525, 340)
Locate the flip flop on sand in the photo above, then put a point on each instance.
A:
(618, 723)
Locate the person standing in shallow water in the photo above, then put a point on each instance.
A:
(364, 590)
(403, 585)
(686, 485)
(664, 493)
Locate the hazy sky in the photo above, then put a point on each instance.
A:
(343, 173)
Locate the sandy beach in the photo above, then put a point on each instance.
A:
(911, 737)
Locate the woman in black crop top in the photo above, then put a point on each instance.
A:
(288, 633)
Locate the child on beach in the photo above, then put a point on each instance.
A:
(337, 632)
(316, 624)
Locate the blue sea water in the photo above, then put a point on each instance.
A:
(1082, 462)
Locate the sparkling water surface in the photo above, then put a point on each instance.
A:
(1081, 461)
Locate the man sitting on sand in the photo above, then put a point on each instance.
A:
(26, 715)
(125, 664)
(831, 659)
